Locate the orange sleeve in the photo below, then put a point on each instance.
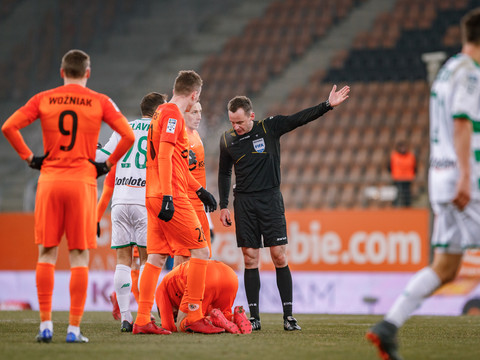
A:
(165, 308)
(193, 183)
(127, 139)
(108, 186)
(165, 153)
(163, 300)
(11, 130)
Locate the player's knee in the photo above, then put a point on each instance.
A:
(279, 256)
(250, 261)
(448, 276)
(280, 261)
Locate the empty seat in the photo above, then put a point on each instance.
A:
(308, 175)
(362, 156)
(355, 173)
(315, 198)
(347, 196)
(331, 196)
(346, 156)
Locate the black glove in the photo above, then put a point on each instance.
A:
(166, 214)
(207, 199)
(98, 229)
(101, 167)
(37, 161)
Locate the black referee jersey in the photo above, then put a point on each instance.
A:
(256, 154)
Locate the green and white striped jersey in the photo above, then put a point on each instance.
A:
(130, 175)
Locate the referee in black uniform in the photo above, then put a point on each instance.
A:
(253, 148)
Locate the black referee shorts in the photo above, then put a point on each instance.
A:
(258, 214)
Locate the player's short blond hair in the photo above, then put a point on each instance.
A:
(187, 82)
(75, 63)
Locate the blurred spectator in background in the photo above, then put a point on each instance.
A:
(403, 167)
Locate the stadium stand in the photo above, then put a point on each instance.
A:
(389, 102)
(125, 39)
(284, 54)
(263, 50)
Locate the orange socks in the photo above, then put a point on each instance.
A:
(195, 288)
(135, 275)
(45, 276)
(78, 293)
(148, 285)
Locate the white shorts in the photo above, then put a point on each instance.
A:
(454, 231)
(129, 225)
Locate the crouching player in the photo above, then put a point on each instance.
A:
(220, 291)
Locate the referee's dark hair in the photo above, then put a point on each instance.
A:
(240, 102)
(150, 103)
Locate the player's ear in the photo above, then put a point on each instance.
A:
(252, 116)
(62, 73)
(87, 73)
(194, 95)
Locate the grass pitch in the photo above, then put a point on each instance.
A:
(332, 337)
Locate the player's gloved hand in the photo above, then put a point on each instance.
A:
(98, 229)
(166, 214)
(37, 161)
(207, 199)
(101, 167)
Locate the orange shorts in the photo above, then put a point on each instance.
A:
(183, 231)
(66, 207)
(202, 216)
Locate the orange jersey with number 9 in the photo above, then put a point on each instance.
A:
(71, 117)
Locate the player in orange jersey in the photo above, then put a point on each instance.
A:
(172, 221)
(221, 287)
(196, 164)
(71, 116)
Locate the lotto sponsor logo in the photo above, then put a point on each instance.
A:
(135, 182)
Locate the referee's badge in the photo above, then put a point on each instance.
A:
(259, 145)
